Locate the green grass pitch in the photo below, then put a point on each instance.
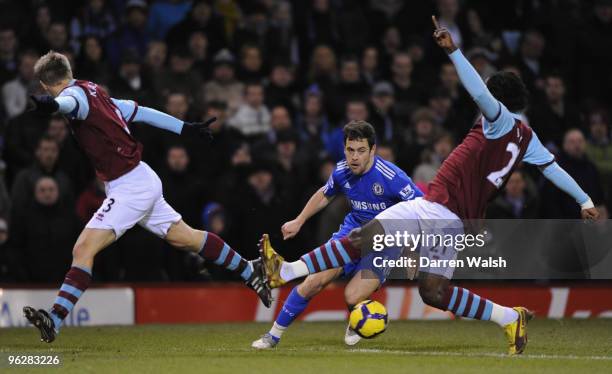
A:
(570, 346)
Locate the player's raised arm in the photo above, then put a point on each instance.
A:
(315, 204)
(73, 102)
(131, 112)
(469, 77)
(539, 156)
(566, 183)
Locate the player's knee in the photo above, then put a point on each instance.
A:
(352, 296)
(362, 237)
(82, 250)
(177, 241)
(354, 237)
(432, 295)
(183, 236)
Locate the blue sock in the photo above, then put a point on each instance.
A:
(292, 308)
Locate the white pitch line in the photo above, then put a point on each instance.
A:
(374, 350)
(424, 353)
(483, 354)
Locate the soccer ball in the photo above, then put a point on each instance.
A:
(368, 319)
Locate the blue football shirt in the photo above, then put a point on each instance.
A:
(377, 189)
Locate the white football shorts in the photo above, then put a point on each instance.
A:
(135, 198)
(425, 217)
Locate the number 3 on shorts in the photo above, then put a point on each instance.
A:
(111, 201)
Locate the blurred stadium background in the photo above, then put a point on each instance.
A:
(283, 77)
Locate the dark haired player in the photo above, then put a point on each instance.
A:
(371, 185)
(99, 124)
(467, 180)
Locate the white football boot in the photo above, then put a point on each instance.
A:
(350, 336)
(265, 342)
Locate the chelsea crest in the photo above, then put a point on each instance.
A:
(378, 189)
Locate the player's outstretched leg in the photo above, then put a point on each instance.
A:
(333, 254)
(77, 280)
(212, 248)
(437, 292)
(295, 304)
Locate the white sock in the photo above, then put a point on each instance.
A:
(291, 270)
(503, 315)
(277, 330)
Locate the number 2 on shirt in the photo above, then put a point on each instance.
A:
(497, 177)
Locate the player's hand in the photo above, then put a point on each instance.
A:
(291, 228)
(43, 104)
(590, 213)
(443, 37)
(198, 129)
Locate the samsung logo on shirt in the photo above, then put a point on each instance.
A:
(364, 205)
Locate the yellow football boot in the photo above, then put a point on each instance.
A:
(516, 332)
(272, 262)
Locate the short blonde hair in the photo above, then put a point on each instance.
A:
(52, 68)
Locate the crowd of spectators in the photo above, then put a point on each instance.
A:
(282, 77)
